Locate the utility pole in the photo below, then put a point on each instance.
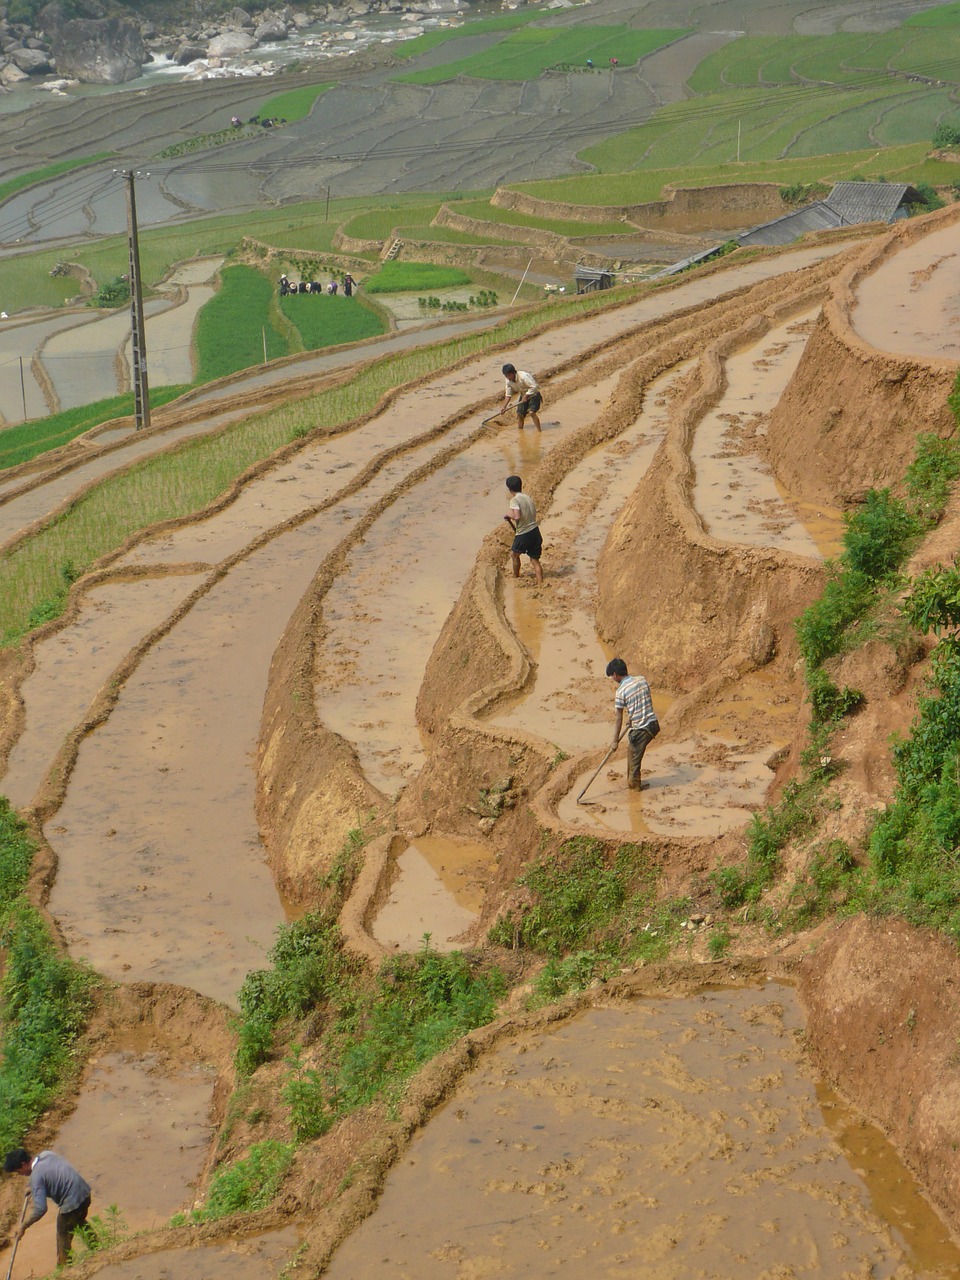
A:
(141, 391)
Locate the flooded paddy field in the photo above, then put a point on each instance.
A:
(673, 1133)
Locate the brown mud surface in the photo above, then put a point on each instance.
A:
(338, 645)
(662, 1138)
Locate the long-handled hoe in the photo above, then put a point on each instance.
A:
(23, 1214)
(593, 778)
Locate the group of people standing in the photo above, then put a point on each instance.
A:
(312, 286)
(633, 698)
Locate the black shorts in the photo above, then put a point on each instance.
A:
(530, 405)
(528, 544)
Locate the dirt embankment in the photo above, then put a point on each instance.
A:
(884, 1014)
(850, 417)
(735, 205)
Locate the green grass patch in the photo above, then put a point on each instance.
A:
(527, 53)
(508, 217)
(771, 125)
(640, 186)
(381, 1033)
(379, 224)
(943, 16)
(44, 996)
(589, 914)
(248, 1184)
(12, 185)
(30, 439)
(431, 40)
(233, 326)
(414, 277)
(323, 321)
(295, 104)
(379, 1030)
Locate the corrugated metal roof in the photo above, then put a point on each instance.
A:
(870, 201)
(818, 216)
(675, 267)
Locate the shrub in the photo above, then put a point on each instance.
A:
(114, 293)
(247, 1184)
(44, 1000)
(308, 965)
(418, 1005)
(946, 135)
(878, 536)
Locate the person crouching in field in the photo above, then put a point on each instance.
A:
(522, 519)
(52, 1177)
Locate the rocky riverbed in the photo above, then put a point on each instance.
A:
(117, 50)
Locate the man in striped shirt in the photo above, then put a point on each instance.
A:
(633, 696)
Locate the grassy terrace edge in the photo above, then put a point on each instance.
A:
(37, 572)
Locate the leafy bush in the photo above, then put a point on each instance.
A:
(878, 536)
(575, 896)
(929, 199)
(946, 135)
(248, 1184)
(308, 965)
(418, 1005)
(931, 476)
(44, 1000)
(113, 293)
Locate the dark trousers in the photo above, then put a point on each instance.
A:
(637, 743)
(67, 1223)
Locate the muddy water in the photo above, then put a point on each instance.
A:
(82, 362)
(169, 334)
(667, 1138)
(438, 888)
(18, 342)
(384, 615)
(911, 304)
(162, 796)
(130, 1104)
(734, 491)
(72, 666)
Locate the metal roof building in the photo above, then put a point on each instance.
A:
(847, 204)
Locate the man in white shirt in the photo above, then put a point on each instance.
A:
(522, 519)
(522, 384)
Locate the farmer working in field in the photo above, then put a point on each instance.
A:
(633, 696)
(52, 1177)
(522, 519)
(522, 384)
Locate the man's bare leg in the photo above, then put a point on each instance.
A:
(537, 572)
(516, 564)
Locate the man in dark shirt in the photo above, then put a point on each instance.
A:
(52, 1177)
